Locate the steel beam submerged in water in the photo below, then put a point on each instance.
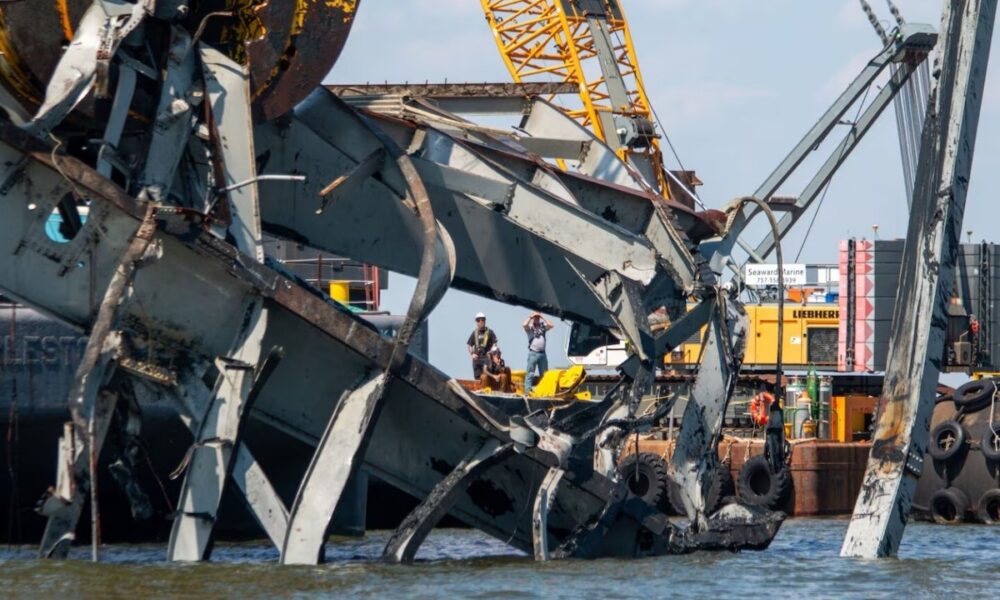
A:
(929, 259)
(169, 279)
(189, 300)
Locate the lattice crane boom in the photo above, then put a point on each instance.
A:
(588, 43)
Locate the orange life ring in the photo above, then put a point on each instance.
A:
(760, 407)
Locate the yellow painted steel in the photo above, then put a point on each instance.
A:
(849, 416)
(550, 40)
(762, 336)
(340, 291)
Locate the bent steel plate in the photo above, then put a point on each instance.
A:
(32, 39)
(289, 46)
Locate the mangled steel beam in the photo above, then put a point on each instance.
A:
(519, 204)
(214, 451)
(532, 259)
(919, 322)
(187, 308)
(192, 398)
(544, 500)
(694, 463)
(411, 533)
(458, 98)
(335, 461)
(92, 404)
(600, 232)
(227, 90)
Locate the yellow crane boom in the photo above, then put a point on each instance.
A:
(586, 42)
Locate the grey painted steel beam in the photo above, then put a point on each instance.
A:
(173, 122)
(535, 271)
(215, 440)
(227, 87)
(102, 28)
(410, 535)
(694, 458)
(579, 233)
(337, 457)
(124, 90)
(544, 499)
(191, 399)
(260, 496)
(929, 256)
(548, 121)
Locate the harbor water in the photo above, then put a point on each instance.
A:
(934, 562)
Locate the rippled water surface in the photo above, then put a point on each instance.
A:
(935, 562)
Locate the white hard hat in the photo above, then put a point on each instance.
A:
(480, 316)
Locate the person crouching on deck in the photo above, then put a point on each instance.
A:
(496, 373)
(536, 327)
(480, 341)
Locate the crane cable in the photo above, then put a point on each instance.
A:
(909, 109)
(771, 446)
(826, 188)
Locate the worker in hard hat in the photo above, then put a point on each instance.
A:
(496, 373)
(536, 326)
(480, 341)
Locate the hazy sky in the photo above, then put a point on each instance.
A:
(736, 84)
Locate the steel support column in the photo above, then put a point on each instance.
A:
(218, 434)
(411, 533)
(337, 457)
(192, 398)
(929, 256)
(227, 85)
(91, 406)
(544, 499)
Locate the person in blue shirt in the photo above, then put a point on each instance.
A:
(536, 326)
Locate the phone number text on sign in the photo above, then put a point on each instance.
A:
(765, 275)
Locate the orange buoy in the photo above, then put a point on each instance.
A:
(760, 407)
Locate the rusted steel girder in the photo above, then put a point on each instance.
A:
(929, 256)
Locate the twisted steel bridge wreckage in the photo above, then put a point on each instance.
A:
(171, 135)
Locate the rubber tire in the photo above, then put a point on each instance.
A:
(949, 506)
(757, 485)
(974, 395)
(720, 486)
(988, 507)
(939, 433)
(652, 480)
(986, 444)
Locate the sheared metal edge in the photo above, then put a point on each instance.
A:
(929, 256)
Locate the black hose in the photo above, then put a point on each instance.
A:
(774, 446)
